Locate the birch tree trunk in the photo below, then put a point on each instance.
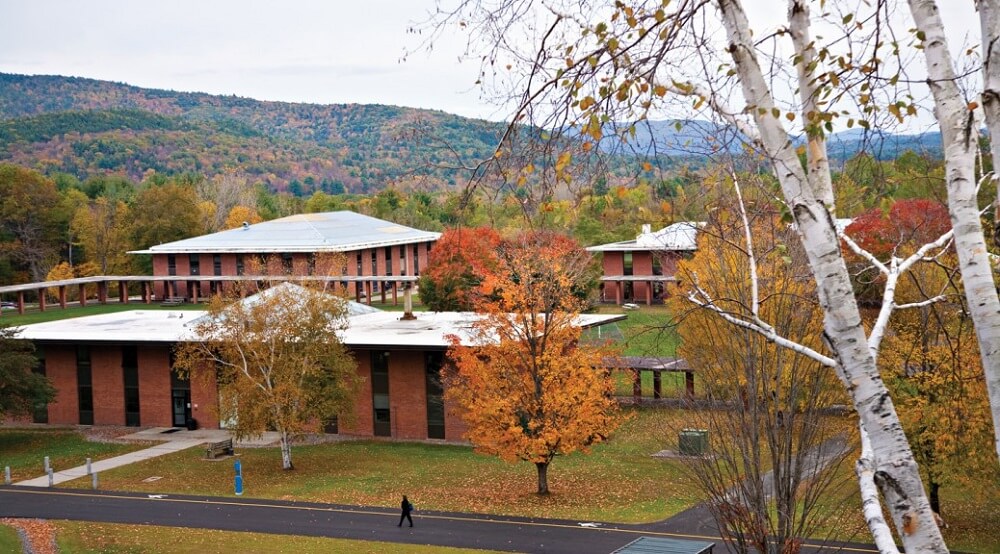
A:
(988, 317)
(810, 198)
(286, 451)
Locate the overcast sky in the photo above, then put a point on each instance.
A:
(294, 50)
(322, 51)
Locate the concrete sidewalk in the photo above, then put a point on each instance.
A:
(58, 477)
(173, 440)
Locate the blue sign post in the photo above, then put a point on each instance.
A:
(238, 481)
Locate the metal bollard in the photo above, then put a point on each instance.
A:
(88, 466)
(47, 468)
(50, 477)
(6, 475)
(93, 480)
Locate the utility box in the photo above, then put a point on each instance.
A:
(692, 442)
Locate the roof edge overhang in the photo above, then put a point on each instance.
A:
(287, 249)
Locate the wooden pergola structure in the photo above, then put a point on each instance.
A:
(657, 366)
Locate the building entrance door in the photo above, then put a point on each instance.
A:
(181, 407)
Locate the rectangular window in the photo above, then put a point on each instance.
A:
(657, 264)
(40, 411)
(402, 260)
(433, 361)
(311, 261)
(360, 265)
(171, 264)
(627, 270)
(130, 376)
(286, 263)
(195, 264)
(388, 260)
(84, 386)
(239, 264)
(374, 262)
(380, 393)
(416, 259)
(217, 264)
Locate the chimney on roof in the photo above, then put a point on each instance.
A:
(646, 228)
(246, 225)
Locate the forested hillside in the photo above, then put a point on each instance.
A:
(87, 127)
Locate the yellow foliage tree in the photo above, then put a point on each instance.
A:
(930, 361)
(240, 214)
(277, 358)
(104, 229)
(530, 390)
(763, 477)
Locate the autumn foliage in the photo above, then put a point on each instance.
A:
(456, 267)
(529, 390)
(277, 359)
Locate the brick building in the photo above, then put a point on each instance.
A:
(372, 246)
(638, 270)
(115, 369)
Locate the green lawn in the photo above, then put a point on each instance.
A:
(74, 537)
(55, 313)
(619, 481)
(9, 541)
(23, 450)
(645, 331)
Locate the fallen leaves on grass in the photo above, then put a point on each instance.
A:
(40, 534)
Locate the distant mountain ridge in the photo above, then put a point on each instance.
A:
(687, 138)
(85, 126)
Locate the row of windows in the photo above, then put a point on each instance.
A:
(194, 262)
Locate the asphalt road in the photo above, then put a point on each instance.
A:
(356, 522)
(321, 520)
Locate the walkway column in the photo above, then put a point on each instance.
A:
(20, 302)
(689, 384)
(62, 296)
(649, 293)
(637, 384)
(102, 292)
(41, 300)
(147, 293)
(83, 296)
(123, 292)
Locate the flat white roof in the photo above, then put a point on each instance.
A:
(130, 326)
(681, 236)
(379, 329)
(319, 232)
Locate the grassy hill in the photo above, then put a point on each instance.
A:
(85, 127)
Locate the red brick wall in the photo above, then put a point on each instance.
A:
(154, 385)
(642, 264)
(407, 394)
(159, 268)
(454, 427)
(108, 385)
(60, 368)
(205, 402)
(614, 265)
(362, 423)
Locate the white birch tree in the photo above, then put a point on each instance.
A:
(604, 62)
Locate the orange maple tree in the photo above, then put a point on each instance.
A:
(455, 267)
(528, 389)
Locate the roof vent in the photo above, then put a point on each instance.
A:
(646, 228)
(246, 225)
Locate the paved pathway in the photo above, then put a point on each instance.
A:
(173, 441)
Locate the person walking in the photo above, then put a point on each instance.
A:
(407, 508)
